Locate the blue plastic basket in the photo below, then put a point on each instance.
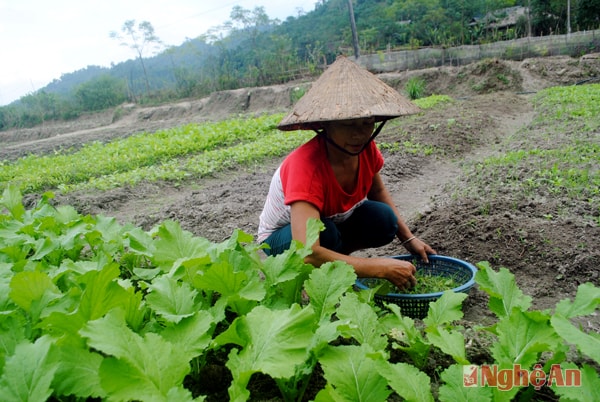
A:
(417, 305)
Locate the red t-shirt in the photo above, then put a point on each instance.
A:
(306, 175)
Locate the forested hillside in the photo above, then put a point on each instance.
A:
(251, 49)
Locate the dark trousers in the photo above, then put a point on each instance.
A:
(373, 224)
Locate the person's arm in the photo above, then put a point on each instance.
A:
(414, 245)
(400, 273)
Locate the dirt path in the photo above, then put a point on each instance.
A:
(417, 195)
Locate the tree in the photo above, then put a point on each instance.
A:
(9, 117)
(101, 93)
(548, 16)
(251, 30)
(250, 19)
(587, 14)
(39, 107)
(137, 39)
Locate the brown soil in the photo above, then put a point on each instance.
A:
(549, 258)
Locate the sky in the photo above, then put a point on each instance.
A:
(40, 40)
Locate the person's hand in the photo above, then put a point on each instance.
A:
(418, 247)
(399, 272)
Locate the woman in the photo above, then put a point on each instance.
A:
(335, 177)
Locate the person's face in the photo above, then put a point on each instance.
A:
(352, 135)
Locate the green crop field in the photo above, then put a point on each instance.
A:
(92, 309)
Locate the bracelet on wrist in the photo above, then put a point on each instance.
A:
(408, 240)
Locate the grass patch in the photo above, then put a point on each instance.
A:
(544, 161)
(408, 146)
(199, 165)
(172, 154)
(432, 101)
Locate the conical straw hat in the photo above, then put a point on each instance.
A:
(346, 91)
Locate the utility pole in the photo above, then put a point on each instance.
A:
(354, 33)
(529, 18)
(568, 17)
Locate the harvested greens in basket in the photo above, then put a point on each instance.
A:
(426, 283)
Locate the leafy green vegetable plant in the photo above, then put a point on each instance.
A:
(171, 154)
(525, 337)
(94, 309)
